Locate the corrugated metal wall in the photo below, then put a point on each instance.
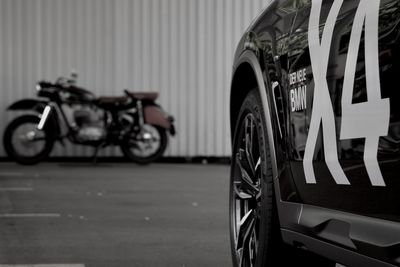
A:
(180, 48)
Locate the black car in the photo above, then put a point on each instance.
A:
(315, 121)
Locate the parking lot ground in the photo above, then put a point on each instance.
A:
(80, 214)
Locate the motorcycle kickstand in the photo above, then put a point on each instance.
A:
(96, 151)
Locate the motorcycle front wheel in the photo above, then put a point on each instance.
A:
(24, 143)
(146, 146)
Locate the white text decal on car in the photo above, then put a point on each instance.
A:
(298, 95)
(368, 120)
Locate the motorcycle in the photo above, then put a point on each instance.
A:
(134, 122)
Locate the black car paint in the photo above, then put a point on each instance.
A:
(283, 33)
(278, 38)
(360, 197)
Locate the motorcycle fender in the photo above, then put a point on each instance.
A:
(38, 107)
(156, 116)
(28, 104)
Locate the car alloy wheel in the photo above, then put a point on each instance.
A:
(246, 193)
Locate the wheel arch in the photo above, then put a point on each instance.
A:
(243, 82)
(248, 75)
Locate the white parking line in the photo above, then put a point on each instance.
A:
(42, 265)
(15, 189)
(29, 215)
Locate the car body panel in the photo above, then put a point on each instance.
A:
(279, 41)
(359, 196)
(344, 203)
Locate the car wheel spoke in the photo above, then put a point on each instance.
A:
(258, 165)
(239, 192)
(240, 257)
(253, 243)
(246, 228)
(247, 184)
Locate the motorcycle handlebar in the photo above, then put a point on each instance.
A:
(65, 82)
(128, 93)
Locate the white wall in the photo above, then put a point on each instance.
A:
(180, 48)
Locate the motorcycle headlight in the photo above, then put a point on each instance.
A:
(38, 87)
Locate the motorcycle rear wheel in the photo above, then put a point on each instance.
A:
(24, 143)
(132, 146)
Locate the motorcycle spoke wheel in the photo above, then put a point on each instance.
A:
(147, 143)
(28, 141)
(146, 146)
(24, 143)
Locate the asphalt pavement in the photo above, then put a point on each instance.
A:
(109, 214)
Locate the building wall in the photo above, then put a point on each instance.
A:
(181, 48)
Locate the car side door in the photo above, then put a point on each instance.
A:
(343, 129)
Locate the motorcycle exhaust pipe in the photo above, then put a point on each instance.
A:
(44, 117)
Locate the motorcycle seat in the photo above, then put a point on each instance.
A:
(113, 102)
(143, 95)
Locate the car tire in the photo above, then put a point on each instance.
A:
(254, 223)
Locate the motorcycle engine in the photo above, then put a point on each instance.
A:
(89, 124)
(91, 133)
